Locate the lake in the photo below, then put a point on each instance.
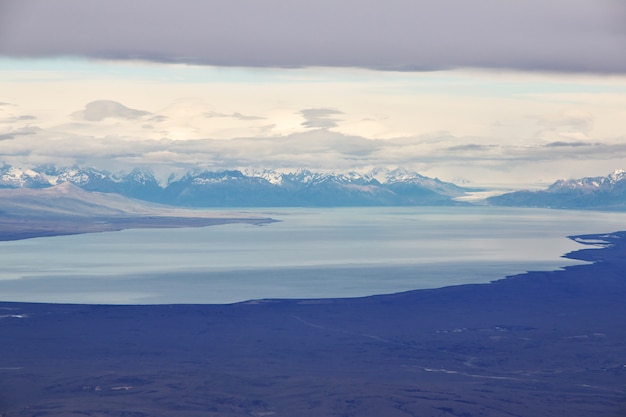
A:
(309, 253)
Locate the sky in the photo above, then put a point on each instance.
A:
(485, 92)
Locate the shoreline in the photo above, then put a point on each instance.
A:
(12, 228)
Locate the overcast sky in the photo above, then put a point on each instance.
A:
(489, 91)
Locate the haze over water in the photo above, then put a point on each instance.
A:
(310, 253)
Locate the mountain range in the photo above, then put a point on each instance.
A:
(599, 193)
(305, 188)
(234, 188)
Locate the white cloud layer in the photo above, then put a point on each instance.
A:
(481, 160)
(408, 35)
(486, 127)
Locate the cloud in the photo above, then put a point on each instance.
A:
(577, 120)
(573, 126)
(561, 144)
(157, 118)
(318, 149)
(21, 118)
(25, 131)
(470, 147)
(319, 118)
(407, 35)
(103, 109)
(235, 115)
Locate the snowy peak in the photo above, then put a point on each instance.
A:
(48, 175)
(11, 177)
(591, 184)
(315, 178)
(617, 175)
(376, 176)
(208, 177)
(273, 177)
(139, 177)
(600, 193)
(387, 176)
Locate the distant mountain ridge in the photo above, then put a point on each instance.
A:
(302, 188)
(249, 188)
(601, 193)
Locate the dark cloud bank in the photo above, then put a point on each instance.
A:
(547, 35)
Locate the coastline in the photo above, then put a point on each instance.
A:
(530, 344)
(14, 228)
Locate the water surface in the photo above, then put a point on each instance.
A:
(310, 253)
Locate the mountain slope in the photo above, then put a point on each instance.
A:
(67, 199)
(601, 193)
(67, 209)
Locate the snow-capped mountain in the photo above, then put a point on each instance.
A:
(602, 193)
(204, 188)
(592, 184)
(268, 188)
(307, 188)
(11, 177)
(402, 178)
(135, 183)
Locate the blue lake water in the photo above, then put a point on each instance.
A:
(310, 253)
